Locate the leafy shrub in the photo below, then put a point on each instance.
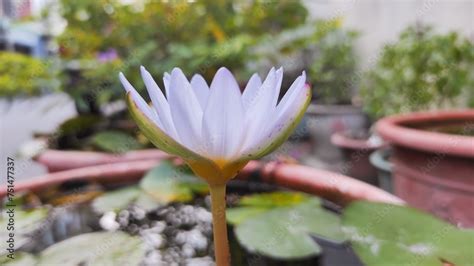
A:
(198, 37)
(23, 75)
(422, 70)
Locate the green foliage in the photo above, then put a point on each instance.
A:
(168, 183)
(384, 234)
(283, 229)
(121, 199)
(321, 47)
(114, 141)
(99, 248)
(23, 75)
(275, 199)
(332, 72)
(422, 70)
(199, 37)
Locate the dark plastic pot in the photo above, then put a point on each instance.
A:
(356, 152)
(380, 160)
(322, 121)
(434, 171)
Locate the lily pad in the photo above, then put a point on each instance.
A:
(384, 234)
(102, 248)
(122, 198)
(19, 259)
(238, 215)
(168, 183)
(274, 199)
(258, 203)
(285, 232)
(114, 141)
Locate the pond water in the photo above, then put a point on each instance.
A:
(173, 234)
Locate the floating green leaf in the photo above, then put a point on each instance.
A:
(238, 215)
(20, 259)
(274, 199)
(122, 198)
(116, 200)
(101, 248)
(285, 232)
(114, 141)
(168, 183)
(252, 205)
(384, 234)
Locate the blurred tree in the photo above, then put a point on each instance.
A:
(244, 35)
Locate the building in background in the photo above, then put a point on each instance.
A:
(15, 9)
(26, 37)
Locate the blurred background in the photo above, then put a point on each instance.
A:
(87, 179)
(366, 59)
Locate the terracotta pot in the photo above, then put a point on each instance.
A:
(432, 170)
(356, 152)
(60, 160)
(335, 187)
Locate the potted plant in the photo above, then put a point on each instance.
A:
(421, 71)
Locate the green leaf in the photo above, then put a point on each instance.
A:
(78, 124)
(102, 248)
(168, 183)
(114, 141)
(384, 234)
(259, 203)
(274, 199)
(116, 200)
(20, 259)
(285, 232)
(238, 215)
(122, 198)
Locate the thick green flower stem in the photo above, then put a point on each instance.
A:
(219, 225)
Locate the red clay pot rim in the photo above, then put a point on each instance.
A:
(332, 186)
(392, 129)
(342, 140)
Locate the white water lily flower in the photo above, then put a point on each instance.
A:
(218, 129)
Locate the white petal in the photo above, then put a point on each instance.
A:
(185, 110)
(251, 89)
(279, 79)
(223, 119)
(286, 112)
(166, 82)
(139, 101)
(259, 110)
(201, 89)
(159, 102)
(297, 84)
